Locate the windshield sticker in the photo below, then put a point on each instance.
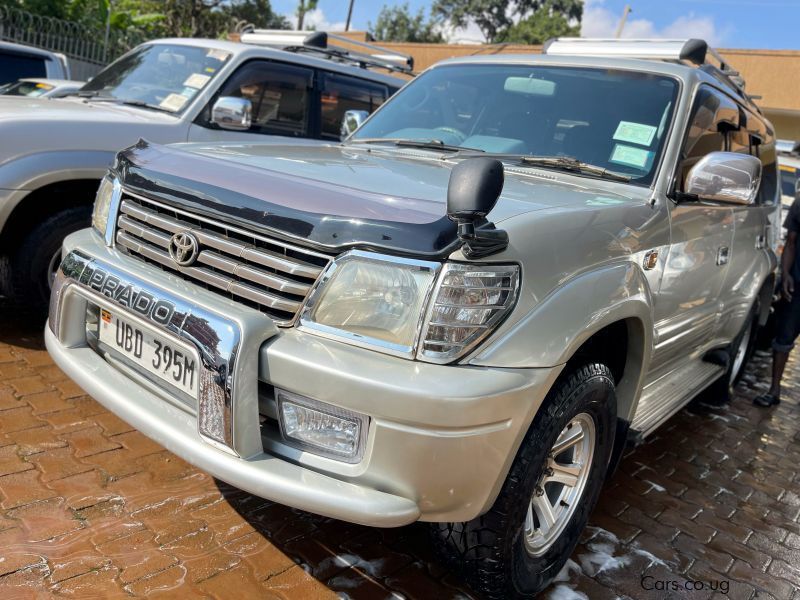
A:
(220, 55)
(196, 80)
(603, 201)
(635, 133)
(173, 102)
(630, 156)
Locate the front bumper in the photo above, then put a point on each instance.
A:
(440, 441)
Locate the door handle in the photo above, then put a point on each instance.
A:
(723, 254)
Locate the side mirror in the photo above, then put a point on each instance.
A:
(351, 121)
(725, 177)
(232, 113)
(474, 188)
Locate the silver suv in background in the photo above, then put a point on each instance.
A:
(55, 152)
(18, 61)
(459, 315)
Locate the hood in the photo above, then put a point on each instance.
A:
(335, 196)
(55, 124)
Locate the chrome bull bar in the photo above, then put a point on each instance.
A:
(81, 279)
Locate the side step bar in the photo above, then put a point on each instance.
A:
(667, 395)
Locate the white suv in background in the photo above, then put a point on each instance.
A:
(55, 152)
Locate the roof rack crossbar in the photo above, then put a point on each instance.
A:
(373, 56)
(694, 51)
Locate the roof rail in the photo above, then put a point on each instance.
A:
(317, 42)
(693, 51)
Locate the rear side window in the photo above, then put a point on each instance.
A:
(279, 94)
(15, 66)
(341, 93)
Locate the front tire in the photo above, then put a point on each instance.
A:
(34, 262)
(518, 547)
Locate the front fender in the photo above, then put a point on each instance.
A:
(564, 320)
(28, 173)
(36, 170)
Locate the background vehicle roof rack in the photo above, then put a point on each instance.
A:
(787, 147)
(318, 42)
(693, 51)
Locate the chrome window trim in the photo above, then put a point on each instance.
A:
(306, 325)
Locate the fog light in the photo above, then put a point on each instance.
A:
(321, 428)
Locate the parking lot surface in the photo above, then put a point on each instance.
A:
(91, 508)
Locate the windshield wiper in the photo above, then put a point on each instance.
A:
(432, 144)
(140, 103)
(563, 163)
(568, 163)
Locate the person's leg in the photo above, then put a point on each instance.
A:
(778, 365)
(787, 319)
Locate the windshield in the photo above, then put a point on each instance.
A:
(614, 119)
(25, 88)
(161, 75)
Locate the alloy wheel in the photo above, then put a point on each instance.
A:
(556, 496)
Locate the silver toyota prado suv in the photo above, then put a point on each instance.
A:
(458, 315)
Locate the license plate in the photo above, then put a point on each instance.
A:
(174, 363)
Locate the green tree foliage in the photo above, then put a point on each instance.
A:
(303, 7)
(160, 18)
(495, 17)
(397, 24)
(542, 25)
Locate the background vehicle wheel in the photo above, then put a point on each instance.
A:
(739, 352)
(523, 541)
(34, 262)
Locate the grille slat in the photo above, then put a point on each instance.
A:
(268, 273)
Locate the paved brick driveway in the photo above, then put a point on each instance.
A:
(89, 507)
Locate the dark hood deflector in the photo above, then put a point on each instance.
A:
(330, 218)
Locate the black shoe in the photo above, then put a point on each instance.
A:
(766, 400)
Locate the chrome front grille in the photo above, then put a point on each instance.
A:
(263, 272)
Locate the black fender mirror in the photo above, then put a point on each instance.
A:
(472, 192)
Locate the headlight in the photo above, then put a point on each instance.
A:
(102, 203)
(398, 305)
(470, 302)
(372, 299)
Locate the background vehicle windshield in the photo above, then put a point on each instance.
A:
(611, 118)
(163, 75)
(788, 180)
(25, 88)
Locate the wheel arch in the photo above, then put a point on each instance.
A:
(43, 202)
(589, 311)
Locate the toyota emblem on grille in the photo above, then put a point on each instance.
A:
(184, 248)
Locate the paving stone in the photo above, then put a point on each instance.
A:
(46, 402)
(46, 519)
(11, 461)
(23, 488)
(89, 441)
(29, 385)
